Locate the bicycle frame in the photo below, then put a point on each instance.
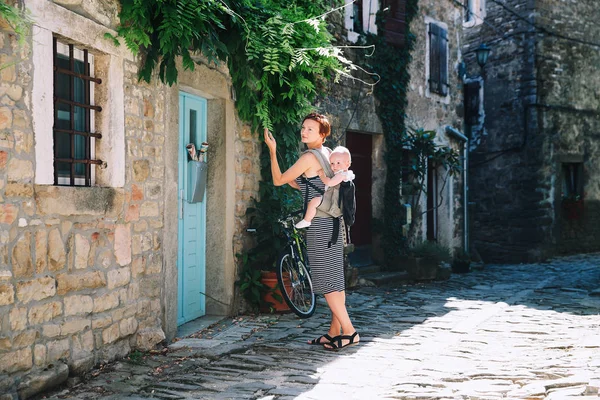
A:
(294, 238)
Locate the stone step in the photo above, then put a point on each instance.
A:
(368, 269)
(385, 277)
(360, 256)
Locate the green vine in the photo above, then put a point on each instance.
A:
(279, 55)
(392, 64)
(18, 20)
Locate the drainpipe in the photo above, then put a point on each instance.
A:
(456, 134)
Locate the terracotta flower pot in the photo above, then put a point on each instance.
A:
(272, 298)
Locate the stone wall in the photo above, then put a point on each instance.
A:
(247, 170)
(89, 273)
(510, 220)
(569, 104)
(541, 107)
(352, 106)
(430, 111)
(81, 268)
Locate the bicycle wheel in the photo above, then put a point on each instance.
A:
(296, 285)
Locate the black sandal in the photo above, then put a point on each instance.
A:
(336, 342)
(318, 340)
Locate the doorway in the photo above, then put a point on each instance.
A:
(191, 255)
(361, 149)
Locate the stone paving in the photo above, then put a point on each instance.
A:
(509, 331)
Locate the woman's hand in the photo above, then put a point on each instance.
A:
(270, 141)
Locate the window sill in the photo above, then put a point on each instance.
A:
(65, 200)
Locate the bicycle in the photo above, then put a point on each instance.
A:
(293, 271)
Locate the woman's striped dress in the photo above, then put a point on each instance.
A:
(326, 263)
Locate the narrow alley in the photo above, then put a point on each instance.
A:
(507, 331)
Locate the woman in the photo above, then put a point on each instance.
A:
(326, 263)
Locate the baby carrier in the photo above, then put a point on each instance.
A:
(338, 201)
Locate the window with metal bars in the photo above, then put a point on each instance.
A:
(438, 60)
(74, 112)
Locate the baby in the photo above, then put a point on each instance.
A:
(340, 161)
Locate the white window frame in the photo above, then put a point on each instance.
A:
(475, 10)
(369, 11)
(444, 99)
(53, 20)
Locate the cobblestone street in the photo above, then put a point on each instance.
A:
(507, 331)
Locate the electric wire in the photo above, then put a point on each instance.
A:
(544, 30)
(537, 28)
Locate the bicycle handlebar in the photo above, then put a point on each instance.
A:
(291, 215)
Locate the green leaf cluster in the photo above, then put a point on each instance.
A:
(17, 19)
(425, 151)
(278, 54)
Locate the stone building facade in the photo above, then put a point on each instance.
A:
(533, 176)
(89, 273)
(443, 216)
(353, 110)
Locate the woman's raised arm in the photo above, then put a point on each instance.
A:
(289, 176)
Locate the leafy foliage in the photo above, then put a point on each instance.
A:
(432, 251)
(277, 53)
(17, 19)
(250, 283)
(424, 151)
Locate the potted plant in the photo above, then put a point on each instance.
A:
(259, 286)
(461, 263)
(258, 278)
(426, 261)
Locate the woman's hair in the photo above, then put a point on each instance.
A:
(325, 127)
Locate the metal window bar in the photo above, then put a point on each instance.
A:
(72, 131)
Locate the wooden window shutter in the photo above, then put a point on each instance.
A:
(434, 58)
(443, 62)
(438, 60)
(395, 22)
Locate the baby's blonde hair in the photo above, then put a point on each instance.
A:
(342, 150)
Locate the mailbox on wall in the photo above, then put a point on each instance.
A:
(197, 172)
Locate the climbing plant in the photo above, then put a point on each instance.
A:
(278, 55)
(17, 19)
(422, 152)
(392, 65)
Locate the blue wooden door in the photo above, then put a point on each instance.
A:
(191, 258)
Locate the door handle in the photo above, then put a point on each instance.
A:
(181, 204)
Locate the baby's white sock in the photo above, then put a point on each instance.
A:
(302, 224)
